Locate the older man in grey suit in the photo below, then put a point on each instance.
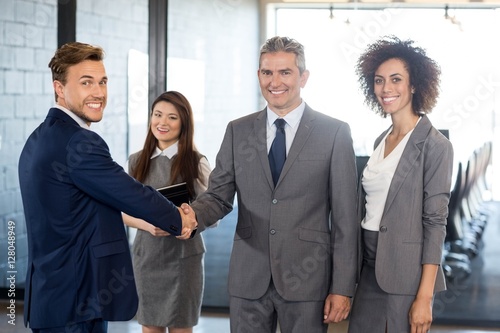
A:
(294, 253)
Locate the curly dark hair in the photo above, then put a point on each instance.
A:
(424, 72)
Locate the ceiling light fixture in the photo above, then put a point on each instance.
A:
(453, 19)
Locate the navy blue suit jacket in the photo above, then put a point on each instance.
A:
(79, 263)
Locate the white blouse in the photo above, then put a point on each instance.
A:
(377, 178)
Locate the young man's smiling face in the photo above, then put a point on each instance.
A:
(85, 92)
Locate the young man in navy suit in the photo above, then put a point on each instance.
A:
(79, 268)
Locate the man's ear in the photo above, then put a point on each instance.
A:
(303, 78)
(58, 88)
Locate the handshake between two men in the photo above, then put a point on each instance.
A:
(189, 223)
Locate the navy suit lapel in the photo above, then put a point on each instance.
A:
(410, 154)
(60, 115)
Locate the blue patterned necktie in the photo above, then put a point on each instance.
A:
(277, 153)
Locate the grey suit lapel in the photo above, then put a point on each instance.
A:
(410, 154)
(306, 126)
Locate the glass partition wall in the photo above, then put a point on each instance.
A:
(460, 40)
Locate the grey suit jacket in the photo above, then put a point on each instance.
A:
(303, 233)
(413, 225)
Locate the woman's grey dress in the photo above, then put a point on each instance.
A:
(168, 271)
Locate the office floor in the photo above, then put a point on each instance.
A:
(214, 322)
(210, 322)
(219, 323)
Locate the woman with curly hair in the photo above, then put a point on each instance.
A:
(403, 192)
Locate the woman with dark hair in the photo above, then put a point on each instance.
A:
(403, 193)
(168, 271)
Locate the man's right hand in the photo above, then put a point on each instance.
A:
(189, 223)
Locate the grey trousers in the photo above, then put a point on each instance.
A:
(262, 315)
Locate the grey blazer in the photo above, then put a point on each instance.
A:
(413, 225)
(285, 232)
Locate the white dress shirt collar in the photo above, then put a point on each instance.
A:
(79, 120)
(292, 118)
(168, 152)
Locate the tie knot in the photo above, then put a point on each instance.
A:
(280, 123)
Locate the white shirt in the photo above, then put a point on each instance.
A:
(292, 120)
(79, 120)
(377, 178)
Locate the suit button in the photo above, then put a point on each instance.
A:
(275, 201)
(272, 232)
(383, 228)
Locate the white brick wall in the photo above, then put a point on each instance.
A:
(27, 34)
(28, 39)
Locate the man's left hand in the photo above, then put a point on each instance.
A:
(336, 308)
